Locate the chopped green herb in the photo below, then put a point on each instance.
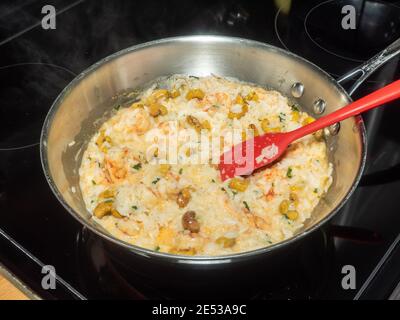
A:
(134, 207)
(137, 166)
(117, 107)
(155, 180)
(295, 107)
(234, 192)
(180, 170)
(157, 248)
(94, 182)
(246, 205)
(109, 200)
(282, 117)
(289, 172)
(212, 180)
(316, 190)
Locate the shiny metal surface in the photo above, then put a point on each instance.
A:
(87, 100)
(362, 72)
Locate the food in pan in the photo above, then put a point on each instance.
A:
(175, 202)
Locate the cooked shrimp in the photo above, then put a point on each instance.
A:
(142, 122)
(215, 101)
(262, 223)
(128, 227)
(223, 99)
(114, 171)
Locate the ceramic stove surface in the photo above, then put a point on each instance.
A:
(36, 64)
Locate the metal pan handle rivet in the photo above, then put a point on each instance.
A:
(297, 90)
(319, 106)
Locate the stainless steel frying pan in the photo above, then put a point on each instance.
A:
(79, 109)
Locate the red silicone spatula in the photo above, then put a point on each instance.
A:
(255, 153)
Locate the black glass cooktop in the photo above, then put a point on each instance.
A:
(36, 64)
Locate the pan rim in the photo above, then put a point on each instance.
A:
(181, 258)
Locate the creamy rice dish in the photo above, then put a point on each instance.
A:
(175, 202)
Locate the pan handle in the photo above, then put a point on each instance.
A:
(367, 68)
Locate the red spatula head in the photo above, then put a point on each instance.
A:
(244, 158)
(255, 153)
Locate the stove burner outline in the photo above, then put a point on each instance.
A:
(21, 64)
(316, 43)
(308, 33)
(321, 46)
(277, 31)
(276, 28)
